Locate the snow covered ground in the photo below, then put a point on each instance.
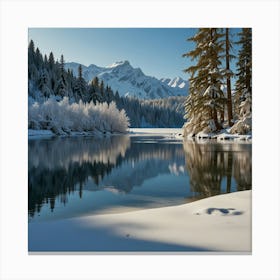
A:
(39, 133)
(220, 223)
(166, 132)
(169, 133)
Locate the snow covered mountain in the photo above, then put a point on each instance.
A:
(129, 81)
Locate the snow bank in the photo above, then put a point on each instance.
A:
(165, 132)
(33, 133)
(221, 137)
(219, 223)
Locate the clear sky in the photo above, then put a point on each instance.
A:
(157, 51)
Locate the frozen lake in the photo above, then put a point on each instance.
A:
(78, 176)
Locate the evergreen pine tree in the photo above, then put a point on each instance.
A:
(206, 98)
(96, 83)
(43, 83)
(38, 59)
(51, 60)
(31, 47)
(62, 64)
(61, 88)
(243, 86)
(102, 90)
(32, 69)
(93, 94)
(80, 86)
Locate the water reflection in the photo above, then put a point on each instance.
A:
(209, 165)
(61, 166)
(135, 171)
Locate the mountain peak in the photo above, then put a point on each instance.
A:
(129, 81)
(119, 63)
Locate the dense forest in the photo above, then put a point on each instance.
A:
(49, 81)
(209, 108)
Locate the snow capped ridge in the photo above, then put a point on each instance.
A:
(118, 63)
(177, 82)
(130, 81)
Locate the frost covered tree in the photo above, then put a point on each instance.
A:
(64, 117)
(205, 104)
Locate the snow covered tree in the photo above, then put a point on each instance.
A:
(102, 90)
(51, 60)
(61, 87)
(31, 47)
(45, 60)
(32, 69)
(38, 59)
(63, 117)
(95, 83)
(243, 86)
(62, 63)
(43, 83)
(205, 104)
(80, 86)
(93, 92)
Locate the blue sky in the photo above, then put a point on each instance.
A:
(157, 51)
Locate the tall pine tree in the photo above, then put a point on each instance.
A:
(204, 106)
(243, 86)
(80, 87)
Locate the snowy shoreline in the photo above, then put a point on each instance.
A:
(40, 133)
(171, 133)
(216, 224)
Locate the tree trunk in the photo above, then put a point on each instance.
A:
(215, 118)
(229, 101)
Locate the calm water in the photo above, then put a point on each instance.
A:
(69, 177)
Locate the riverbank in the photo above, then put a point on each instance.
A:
(44, 133)
(170, 133)
(217, 224)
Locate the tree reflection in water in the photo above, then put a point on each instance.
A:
(61, 166)
(208, 164)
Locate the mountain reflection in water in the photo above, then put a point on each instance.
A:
(136, 170)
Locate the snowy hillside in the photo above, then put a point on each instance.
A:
(129, 81)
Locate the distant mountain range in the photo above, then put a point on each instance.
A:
(129, 81)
